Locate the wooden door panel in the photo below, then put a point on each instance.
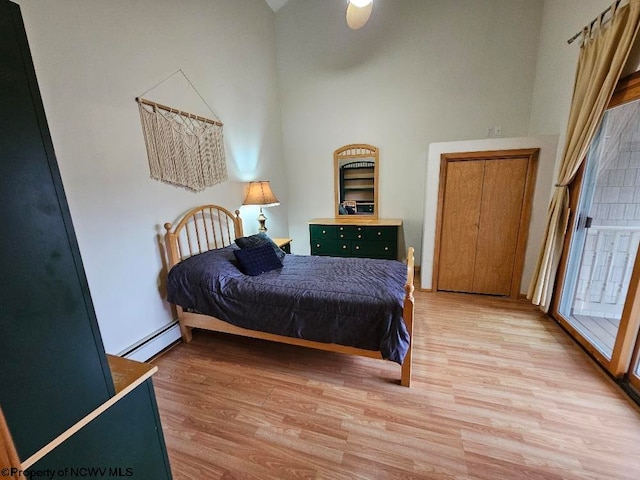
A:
(500, 212)
(459, 231)
(482, 226)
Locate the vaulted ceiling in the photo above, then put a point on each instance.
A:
(276, 4)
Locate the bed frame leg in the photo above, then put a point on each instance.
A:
(185, 331)
(405, 379)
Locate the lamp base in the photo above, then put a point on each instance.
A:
(261, 220)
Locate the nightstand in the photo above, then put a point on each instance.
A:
(283, 243)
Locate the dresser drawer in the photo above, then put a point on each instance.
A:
(374, 249)
(334, 248)
(319, 232)
(340, 232)
(351, 232)
(388, 234)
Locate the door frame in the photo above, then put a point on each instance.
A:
(632, 378)
(621, 357)
(532, 155)
(627, 90)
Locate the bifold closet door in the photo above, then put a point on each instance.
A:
(500, 210)
(459, 237)
(483, 217)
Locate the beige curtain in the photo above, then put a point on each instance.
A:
(604, 51)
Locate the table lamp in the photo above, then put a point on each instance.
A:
(259, 193)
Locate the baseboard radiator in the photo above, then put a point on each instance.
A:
(152, 344)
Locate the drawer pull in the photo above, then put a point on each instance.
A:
(386, 249)
(359, 236)
(344, 246)
(359, 229)
(342, 235)
(317, 245)
(324, 231)
(341, 228)
(357, 247)
(379, 233)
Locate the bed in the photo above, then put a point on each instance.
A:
(346, 305)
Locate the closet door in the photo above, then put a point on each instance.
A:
(483, 217)
(53, 365)
(459, 238)
(500, 210)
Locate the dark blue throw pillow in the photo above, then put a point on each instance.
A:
(257, 240)
(257, 260)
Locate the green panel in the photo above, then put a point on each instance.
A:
(365, 208)
(323, 231)
(354, 240)
(382, 233)
(330, 247)
(54, 369)
(125, 441)
(350, 232)
(361, 233)
(375, 249)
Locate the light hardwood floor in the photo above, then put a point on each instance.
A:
(499, 392)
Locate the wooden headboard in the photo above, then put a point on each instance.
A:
(201, 229)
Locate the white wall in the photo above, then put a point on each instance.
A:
(92, 58)
(557, 62)
(420, 71)
(556, 69)
(550, 101)
(544, 180)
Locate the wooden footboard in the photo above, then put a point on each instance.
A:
(209, 227)
(407, 315)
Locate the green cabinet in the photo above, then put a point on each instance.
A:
(125, 441)
(53, 365)
(370, 239)
(54, 371)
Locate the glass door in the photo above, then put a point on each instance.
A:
(604, 242)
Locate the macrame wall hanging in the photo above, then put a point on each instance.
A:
(183, 149)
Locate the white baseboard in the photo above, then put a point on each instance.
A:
(152, 344)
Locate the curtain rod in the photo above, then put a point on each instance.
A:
(572, 39)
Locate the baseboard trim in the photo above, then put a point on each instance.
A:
(153, 344)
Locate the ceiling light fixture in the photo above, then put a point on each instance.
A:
(358, 13)
(361, 3)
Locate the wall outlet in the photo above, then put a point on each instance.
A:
(494, 131)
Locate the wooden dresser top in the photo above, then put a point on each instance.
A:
(358, 220)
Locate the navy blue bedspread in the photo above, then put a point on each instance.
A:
(348, 301)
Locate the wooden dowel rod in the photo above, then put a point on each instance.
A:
(179, 112)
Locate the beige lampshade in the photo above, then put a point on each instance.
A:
(259, 193)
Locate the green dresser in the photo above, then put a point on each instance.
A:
(355, 238)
